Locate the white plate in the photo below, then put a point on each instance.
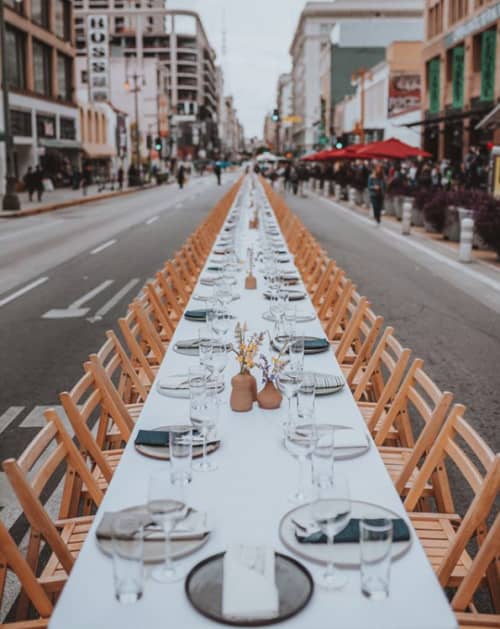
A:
(301, 318)
(347, 555)
(177, 386)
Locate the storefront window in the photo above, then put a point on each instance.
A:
(40, 12)
(20, 122)
(42, 68)
(16, 58)
(434, 84)
(45, 126)
(62, 13)
(64, 76)
(68, 129)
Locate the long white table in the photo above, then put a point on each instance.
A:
(245, 499)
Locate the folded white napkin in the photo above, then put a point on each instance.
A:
(350, 438)
(249, 589)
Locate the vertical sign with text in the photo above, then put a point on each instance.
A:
(98, 57)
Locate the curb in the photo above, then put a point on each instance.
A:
(72, 202)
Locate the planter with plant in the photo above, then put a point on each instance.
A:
(487, 220)
(244, 385)
(269, 397)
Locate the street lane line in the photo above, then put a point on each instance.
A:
(22, 291)
(9, 416)
(114, 300)
(74, 310)
(152, 220)
(100, 248)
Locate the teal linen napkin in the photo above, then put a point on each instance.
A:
(316, 343)
(198, 315)
(156, 438)
(400, 533)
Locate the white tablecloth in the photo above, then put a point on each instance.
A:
(245, 499)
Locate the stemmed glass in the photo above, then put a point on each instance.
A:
(223, 292)
(219, 362)
(167, 506)
(205, 421)
(205, 347)
(332, 512)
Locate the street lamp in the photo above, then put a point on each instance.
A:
(10, 200)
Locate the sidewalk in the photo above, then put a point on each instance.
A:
(67, 197)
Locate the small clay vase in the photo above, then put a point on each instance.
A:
(243, 393)
(269, 397)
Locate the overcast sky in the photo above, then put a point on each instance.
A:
(259, 34)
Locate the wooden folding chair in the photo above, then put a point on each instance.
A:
(445, 535)
(32, 595)
(487, 560)
(37, 472)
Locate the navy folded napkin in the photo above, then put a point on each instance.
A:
(317, 343)
(156, 438)
(400, 532)
(197, 315)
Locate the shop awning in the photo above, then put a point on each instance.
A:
(50, 143)
(98, 151)
(448, 117)
(493, 117)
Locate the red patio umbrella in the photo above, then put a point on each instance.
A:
(392, 149)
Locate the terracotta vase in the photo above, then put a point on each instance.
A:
(269, 397)
(243, 393)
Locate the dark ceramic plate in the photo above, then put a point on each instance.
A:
(204, 590)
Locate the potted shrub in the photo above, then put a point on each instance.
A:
(422, 196)
(487, 221)
(435, 212)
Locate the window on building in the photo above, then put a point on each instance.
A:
(45, 126)
(458, 9)
(42, 68)
(84, 76)
(40, 12)
(67, 129)
(20, 122)
(64, 77)
(62, 18)
(15, 52)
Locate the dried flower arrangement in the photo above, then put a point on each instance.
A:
(246, 350)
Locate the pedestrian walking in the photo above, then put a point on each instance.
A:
(376, 188)
(218, 172)
(294, 180)
(29, 182)
(38, 182)
(86, 179)
(119, 175)
(181, 176)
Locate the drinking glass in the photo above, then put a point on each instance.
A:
(205, 422)
(296, 353)
(289, 381)
(219, 362)
(323, 456)
(205, 346)
(181, 452)
(223, 292)
(290, 320)
(197, 389)
(221, 324)
(167, 506)
(306, 397)
(300, 441)
(376, 544)
(332, 512)
(128, 557)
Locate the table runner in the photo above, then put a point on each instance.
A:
(246, 498)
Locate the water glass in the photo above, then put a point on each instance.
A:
(219, 362)
(300, 441)
(289, 382)
(181, 453)
(221, 324)
(296, 353)
(205, 422)
(332, 512)
(197, 391)
(323, 456)
(376, 544)
(128, 558)
(306, 397)
(167, 506)
(205, 345)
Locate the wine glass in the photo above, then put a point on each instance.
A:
(205, 346)
(219, 362)
(300, 441)
(206, 421)
(332, 512)
(223, 292)
(167, 506)
(289, 381)
(221, 323)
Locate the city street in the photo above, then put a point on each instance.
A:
(424, 299)
(80, 268)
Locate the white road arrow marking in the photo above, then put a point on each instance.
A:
(22, 291)
(74, 310)
(113, 301)
(9, 416)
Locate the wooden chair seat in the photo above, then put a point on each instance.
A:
(113, 458)
(436, 532)
(349, 357)
(478, 621)
(395, 459)
(73, 532)
(367, 410)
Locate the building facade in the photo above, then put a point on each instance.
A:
(312, 40)
(461, 74)
(40, 74)
(392, 99)
(284, 103)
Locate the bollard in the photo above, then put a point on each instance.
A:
(338, 192)
(352, 196)
(466, 236)
(326, 188)
(406, 220)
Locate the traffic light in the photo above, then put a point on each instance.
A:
(276, 115)
(339, 145)
(158, 144)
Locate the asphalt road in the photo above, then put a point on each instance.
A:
(456, 335)
(95, 259)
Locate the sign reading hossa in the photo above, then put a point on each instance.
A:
(404, 94)
(98, 57)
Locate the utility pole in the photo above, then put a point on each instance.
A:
(11, 199)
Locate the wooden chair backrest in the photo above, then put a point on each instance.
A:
(147, 321)
(487, 559)
(35, 472)
(12, 559)
(137, 343)
(459, 444)
(364, 342)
